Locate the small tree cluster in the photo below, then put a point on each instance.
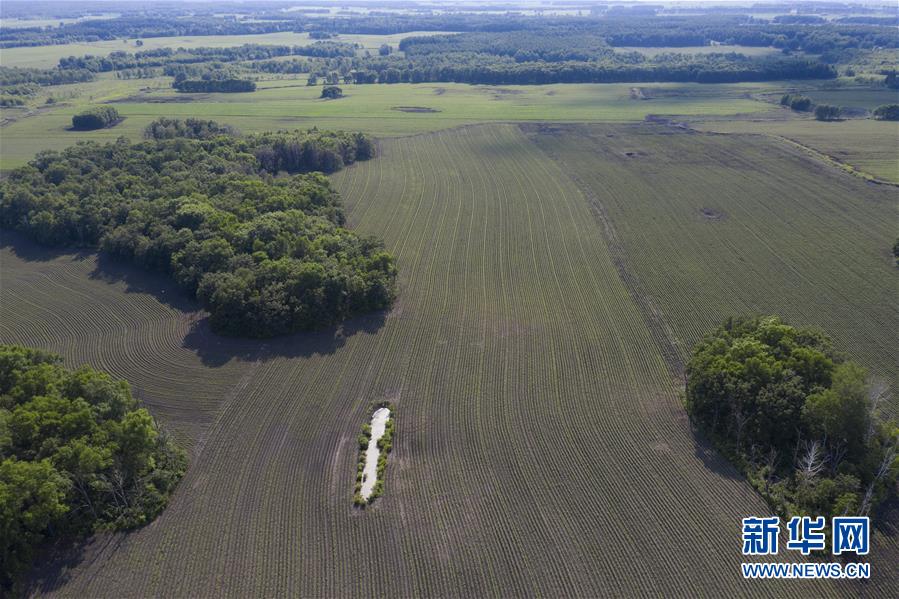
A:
(98, 117)
(797, 102)
(78, 455)
(887, 112)
(826, 112)
(163, 128)
(331, 92)
(801, 421)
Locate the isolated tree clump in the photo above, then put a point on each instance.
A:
(265, 254)
(164, 128)
(797, 102)
(799, 420)
(98, 117)
(826, 112)
(78, 455)
(887, 112)
(331, 92)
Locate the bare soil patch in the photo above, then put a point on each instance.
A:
(712, 214)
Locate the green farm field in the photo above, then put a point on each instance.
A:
(541, 445)
(743, 225)
(381, 110)
(865, 144)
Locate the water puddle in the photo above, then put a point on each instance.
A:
(370, 471)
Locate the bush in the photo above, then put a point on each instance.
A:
(98, 117)
(887, 112)
(826, 112)
(331, 92)
(797, 418)
(78, 456)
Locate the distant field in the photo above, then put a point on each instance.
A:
(538, 424)
(48, 56)
(290, 104)
(745, 50)
(21, 23)
(869, 145)
(866, 98)
(714, 226)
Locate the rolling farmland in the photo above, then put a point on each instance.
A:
(289, 104)
(868, 145)
(717, 225)
(540, 447)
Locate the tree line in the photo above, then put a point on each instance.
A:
(77, 455)
(615, 26)
(119, 60)
(10, 76)
(264, 254)
(799, 419)
(491, 69)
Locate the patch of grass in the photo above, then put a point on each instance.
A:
(290, 104)
(864, 144)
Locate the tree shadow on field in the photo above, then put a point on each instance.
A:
(711, 459)
(217, 350)
(31, 251)
(54, 564)
(213, 349)
(138, 280)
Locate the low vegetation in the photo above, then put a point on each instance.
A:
(265, 255)
(796, 417)
(78, 455)
(98, 117)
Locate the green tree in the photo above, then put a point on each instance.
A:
(826, 112)
(32, 501)
(887, 112)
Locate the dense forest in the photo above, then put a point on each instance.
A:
(17, 76)
(489, 49)
(120, 60)
(78, 455)
(795, 416)
(616, 27)
(492, 69)
(264, 254)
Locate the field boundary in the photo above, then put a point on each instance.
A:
(830, 160)
(665, 339)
